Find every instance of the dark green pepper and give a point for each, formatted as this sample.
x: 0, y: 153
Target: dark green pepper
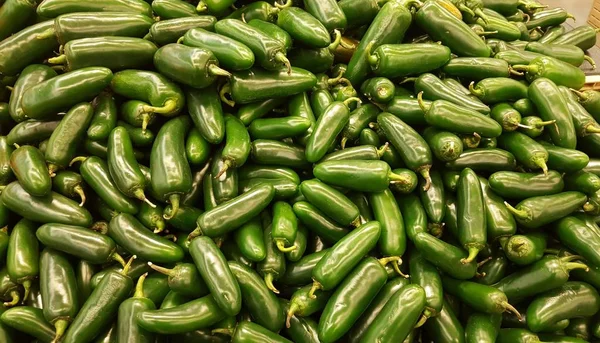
x: 562, y: 73
x: 184, y: 279
x: 513, y: 185
x: 445, y: 145
x: 272, y: 267
x: 584, y: 122
x: 318, y: 223
x: 206, y: 111
x: 284, y: 226
x: 498, y: 89
x: 25, y: 47
x: 237, y: 145
x: 31, y: 320
x: 231, y: 54
x: 538, y: 211
x: 28, y: 77
x: 54, y: 8
x: 22, y: 255
x: 367, y: 175
x: 32, y: 131
x: 392, y: 240
x: 573, y: 233
x: 378, y: 89
x: 445, y: 327
x: 525, y: 249
x: 28, y: 166
x: 565, y: 160
x: 567, y: 53
x: 331, y: 201
x: 527, y: 151
x: 434, y: 88
x: 426, y: 275
x: 471, y: 214
x: 127, y: 328
x: 445, y: 256
x: 304, y: 27
x: 104, y: 118
x: 393, y: 60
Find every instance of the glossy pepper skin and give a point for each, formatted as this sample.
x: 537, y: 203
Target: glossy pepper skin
x: 392, y: 60
x: 583, y: 121
x: 477, y: 68
x: 441, y: 25
x: 127, y: 328
x: 424, y: 274
x: 413, y: 149
x: 22, y: 255
x: 565, y: 160
x: 304, y: 27
x: 434, y: 88
x: 248, y: 332
x: 104, y: 118
x: 392, y: 240
x: 509, y: 118
x: 525, y: 249
x: 206, y: 111
x: 216, y: 273
x: 444, y: 145
x: 562, y: 73
x: 100, y: 308
x: 535, y: 212
x: 318, y: 223
x: 388, y: 27
x: 332, y: 202
x: 574, y: 234
x: 255, y: 85
x: 525, y: 149
x: 583, y: 36
x: 52, y: 208
x: 232, y: 55
x: 158, y: 94
x: 26, y: 46
x: 59, y: 290
x: 495, y: 90
x: 445, y: 256
x: 375, y: 175
x: 52, y: 9
x: 567, y: 53
x: 551, y: 307
x: 28, y: 166
x: 29, y: 319
x: 284, y: 226
x: 169, y: 31
x: 513, y: 185
x: 80, y: 242
x: 471, y: 214
x: 29, y: 77
x: 273, y: 266
x: 263, y: 305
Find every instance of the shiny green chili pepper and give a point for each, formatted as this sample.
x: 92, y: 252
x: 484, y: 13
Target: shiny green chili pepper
x: 255, y: 85
x: 25, y: 47
x: 101, y: 307
x: 304, y: 27
x: 115, y: 53
x: 446, y: 115
x: 358, y: 120
x: 104, y: 118
x: 84, y: 271
x: 197, y: 149
x: 32, y: 131
x: 513, y: 185
x: 331, y: 201
x: 317, y: 222
x: 22, y: 255
x: 130, y: 234
x: 15, y: 16
x: 136, y: 269
x: 359, y: 13
x: 516, y: 335
x: 534, y: 126
x: 412, y: 147
x: 345, y: 255
x: 493, y: 270
x: 388, y: 27
x: 170, y: 31
x: 194, y: 67
x: 584, y: 182
x: 194, y: 195
x: 184, y: 279
x: 378, y: 89
x: 262, y: 304
x: 172, y: 9
x: 127, y: 328
x: 299, y: 106
x: 59, y: 290
x: 133, y: 112
x: 301, y: 243
x: 414, y: 215
x: 225, y: 187
x: 477, y: 68
x: 170, y: 180
x: 279, y: 128
x: 62, y: 92
x: 237, y: 145
x: 300, y: 272
x: 392, y: 60
x: 471, y: 214
x: 29, y: 168
x: 9, y: 290
x: 525, y: 107
x: 562, y: 73
x: 96, y: 174
x: 207, y: 114
x: 445, y: 256
x: 272, y: 152
x: 551, y: 17
x: 367, y: 175
x: 510, y: 119
x: 231, y: 54
x: 351, y: 298
x: 433, y: 200
x: 392, y: 241
x: 54, y: 8
x: 525, y: 249
x: 565, y: 160
x: 250, y: 112
x: 329, y: 13
x: 157, y: 93
x: 584, y: 122
x: 573, y: 233
x: 445, y: 326
x: 426, y: 275
x: 272, y: 267
x: 445, y: 145
x: 583, y: 36
x: 284, y: 189
x: 28, y: 77
x: 552, y: 306
x: 408, y: 184
x: 538, y: 211
x: 284, y: 226
x: 274, y: 31
x: 482, y: 327
x: 31, y: 320
x: 173, y: 299
x: 216, y: 273
x: 434, y: 88
x: 184, y: 219
x: 78, y: 241
x: 52, y: 208
x: 498, y: 89
x: 567, y: 53
x: 248, y: 332
x: 527, y: 151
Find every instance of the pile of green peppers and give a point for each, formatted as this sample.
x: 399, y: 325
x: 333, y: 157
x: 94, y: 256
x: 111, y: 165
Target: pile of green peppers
x: 308, y: 171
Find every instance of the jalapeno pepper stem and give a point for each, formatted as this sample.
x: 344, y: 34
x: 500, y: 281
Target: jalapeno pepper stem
x: 486, y: 33
x: 170, y: 237
x: 168, y: 107
x: 100, y: 227
x: 60, y: 59
x: 477, y: 92
x: 479, y: 264
x: 424, y: 171
x: 590, y: 61
x: 226, y: 89
x: 201, y: 7
x: 160, y: 226
x: 27, y: 287
x: 525, y: 126
x: 316, y: 286
x: 479, y: 12
x: 46, y: 34
x: 581, y: 95
x: 52, y: 168
x: 281, y: 58
x: 269, y: 283
x: 473, y: 251
x: 197, y: 232
x: 421, y: 321
x: 60, y: 326
x: 343, y: 142
x: 514, y: 72
x: 287, y: 4
x: 116, y: 257
x: 552, y: 251
x: 148, y: 36
x: 540, y: 162
x: 334, y: 81
x: 139, y: 194
x: 162, y: 270
x: 589, y: 207
x: 281, y: 246
x: 383, y: 149
x: 15, y: 298
x: 223, y: 331
x: 570, y: 16
x: 569, y: 258
x: 510, y: 308
x: 293, y: 308
x: 127, y: 265
x: 139, y: 286
x: 521, y: 67
x: 572, y: 265
x: 348, y: 101
x: 591, y: 128
x: 174, y: 201
x: 421, y: 103
x: 337, y: 40
x: 226, y: 165
x: 214, y: 69
x: 79, y: 191
x: 480, y: 275
x: 521, y: 214
x: 77, y: 159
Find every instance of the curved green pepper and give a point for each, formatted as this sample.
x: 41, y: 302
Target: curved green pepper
x: 498, y: 89
x: 425, y: 275
x: 32, y: 131
x: 284, y: 226
x: 573, y: 233
x: 538, y: 211
x: 127, y: 329
x: 304, y: 27
x: 392, y: 241
x: 104, y: 118
x: 471, y: 214
x: 207, y: 114
x: 318, y: 223
x: 562, y: 73
x: 197, y: 149
x: 513, y: 185
x: 493, y: 270
x: 414, y: 215
x: 237, y: 145
x: 358, y: 120
x: 25, y: 47
x: 445, y: 256
x: 584, y: 182
x: 28, y: 166
x: 477, y: 68
x: 433, y: 201
x: 184, y: 279
x: 565, y: 160
x: 584, y: 123
x: 28, y: 77
x: 6, y: 150
x: 170, y: 31
x: 22, y: 255
x: 172, y: 9
x: 272, y: 267
x: 488, y: 159
x: 31, y: 320
x: 434, y: 88
x: 332, y: 202
x: 525, y: 149
x: 272, y: 152
x: 231, y: 54
x: 367, y: 175
x: 84, y: 271
x: 567, y: 53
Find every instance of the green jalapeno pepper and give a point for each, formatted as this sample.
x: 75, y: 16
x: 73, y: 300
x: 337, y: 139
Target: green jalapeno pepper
x: 445, y: 145
x: 271, y: 152
x: 59, y: 290
x: 498, y: 89
x: 552, y: 34
x: 172, y: 9
x: 392, y: 240
x: 480, y: 297
x: 516, y: 335
x: 477, y: 68
x: 434, y: 88
x: 127, y: 328
x: 104, y: 118
x: 25, y: 47
x: 207, y: 114
x: 184, y: 279
x: 425, y: 275
x: 356, y: 291
x: 488, y: 159
x: 332, y: 202
x: 9, y: 290
x: 300, y: 272
x: 274, y: 31
x: 54, y: 8
x: 529, y: 153
x: 84, y: 271
x: 471, y: 214
x: 562, y: 73
x: 317, y: 222
x: 445, y: 326
x: 237, y: 145
x: 482, y: 327
x: 378, y: 89
x: 170, y: 180
x: 414, y: 215
x: 15, y: 16
x: 358, y: 120
x: 509, y: 118
x: 583, y: 121
x: 513, y: 185
x: 169, y: 31
x: 22, y: 255
x: 566, y: 53
x: 65, y: 139
x: 258, y: 10
x: 392, y: 60
x: 538, y: 211
x: 29, y: 168
x: 248, y: 332
x: 299, y: 106
x: 301, y: 243
x: 368, y: 175
x: 279, y: 128
x: 115, y: 53
x: 574, y: 234
x: 232, y: 54
x: 272, y: 267
x: 433, y: 201
x: 525, y: 249
x: 284, y: 226
x: 445, y: 256
x: 31, y: 320
x: 551, y: 306
x: 304, y: 27
x: 525, y: 107
x: 216, y: 273
x: 534, y: 126
x: 446, y: 115
x: 551, y: 17
x: 583, y: 36
x: 388, y: 27
x: 493, y: 270
x: 158, y: 94
x: 329, y: 13
x: 28, y: 77
x: 565, y: 160
x: 52, y: 208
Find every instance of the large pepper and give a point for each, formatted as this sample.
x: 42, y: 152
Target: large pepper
x: 583, y: 36
x: 562, y: 73
x: 29, y: 77
x: 538, y: 211
x: 25, y: 47
x: 54, y: 8
x: 22, y: 255
x: 170, y: 31
x: 29, y: 168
